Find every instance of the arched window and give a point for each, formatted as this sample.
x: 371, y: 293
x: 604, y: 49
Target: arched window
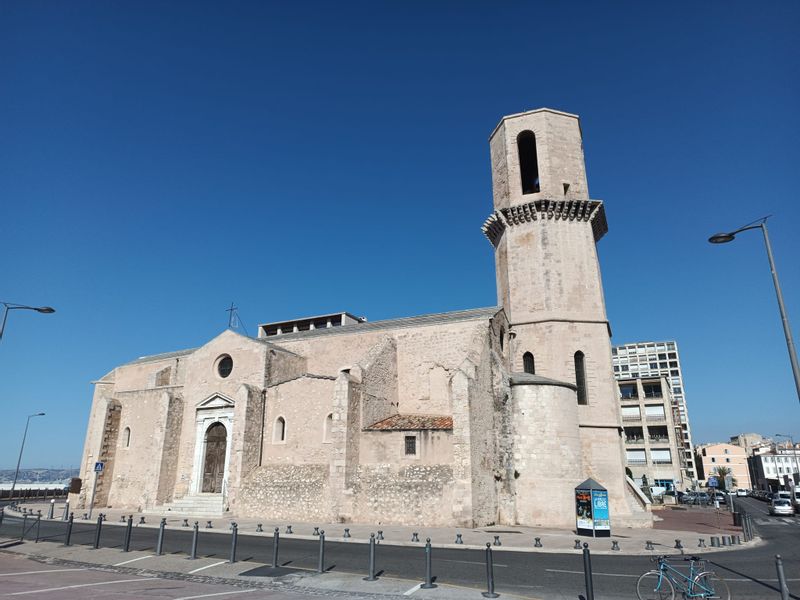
x: 527, y: 363
x: 126, y: 437
x: 326, y: 428
x: 528, y: 162
x: 502, y: 338
x: 279, y: 433
x: 580, y: 377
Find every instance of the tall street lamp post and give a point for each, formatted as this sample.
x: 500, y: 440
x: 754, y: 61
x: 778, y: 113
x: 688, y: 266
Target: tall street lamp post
x: 21, y: 448
x: 722, y: 238
x: 794, y: 453
x: 8, y: 306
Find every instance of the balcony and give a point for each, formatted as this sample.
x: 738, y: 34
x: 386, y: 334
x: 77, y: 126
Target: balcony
x: 653, y: 395
x: 637, y: 461
x: 631, y: 417
x: 656, y: 418
x: 661, y: 461
x: 658, y: 439
x: 634, y: 440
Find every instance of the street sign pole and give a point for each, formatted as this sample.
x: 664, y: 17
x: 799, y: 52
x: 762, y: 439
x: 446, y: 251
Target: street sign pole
x: 98, y: 468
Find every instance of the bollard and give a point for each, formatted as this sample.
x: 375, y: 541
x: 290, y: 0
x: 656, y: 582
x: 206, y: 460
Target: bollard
x: 714, y: 541
x: 735, y: 539
x: 678, y: 545
x: 122, y: 519
x: 497, y: 541
x: 275, y: 539
x: 97, y: 532
x: 24, y: 526
x: 346, y: 533
x: 702, y: 543
x: 724, y: 540
x: 577, y: 545
x: 614, y: 545
x: 160, y: 542
x: 288, y: 529
x: 428, y: 585
x: 458, y: 539
x: 259, y: 529
x: 38, y: 525
x: 537, y: 542
x: 649, y: 545
x: 185, y: 523
x: 781, y: 578
x: 126, y: 545
x: 587, y: 572
x: 321, y: 562
x: 316, y: 531
x: 380, y: 535
x: 85, y: 517
x: 103, y: 516
x: 234, y: 539
x: 141, y: 520
x: 68, y: 533
x: 51, y: 509
x: 415, y: 537
x: 195, y: 534
x: 371, y: 576
x: 209, y: 525
x: 65, y: 516
x: 489, y: 593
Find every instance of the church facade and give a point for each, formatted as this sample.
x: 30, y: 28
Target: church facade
x: 468, y: 418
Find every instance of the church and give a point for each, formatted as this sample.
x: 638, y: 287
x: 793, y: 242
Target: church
x: 467, y: 418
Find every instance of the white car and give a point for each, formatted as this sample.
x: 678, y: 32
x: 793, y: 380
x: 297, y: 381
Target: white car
x: 782, y: 507
x: 741, y: 492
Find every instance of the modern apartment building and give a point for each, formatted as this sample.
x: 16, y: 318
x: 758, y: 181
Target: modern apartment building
x: 643, y: 360
x: 653, y: 446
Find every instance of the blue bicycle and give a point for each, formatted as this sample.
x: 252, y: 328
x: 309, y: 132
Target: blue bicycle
x: 661, y: 583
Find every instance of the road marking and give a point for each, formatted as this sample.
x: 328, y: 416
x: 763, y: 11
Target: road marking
x: 35, y: 572
x: 593, y: 573
x: 70, y: 587
x: 216, y: 564
x: 217, y: 594
x: 412, y: 590
x: 132, y: 560
x: 469, y: 562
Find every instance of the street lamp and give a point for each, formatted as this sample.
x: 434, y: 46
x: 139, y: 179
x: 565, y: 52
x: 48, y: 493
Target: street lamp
x: 21, y: 448
x: 794, y: 453
x: 722, y: 238
x: 7, y: 306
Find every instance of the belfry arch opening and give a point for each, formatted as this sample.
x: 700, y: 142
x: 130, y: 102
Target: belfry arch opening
x: 528, y: 364
x: 216, y: 441
x: 528, y: 162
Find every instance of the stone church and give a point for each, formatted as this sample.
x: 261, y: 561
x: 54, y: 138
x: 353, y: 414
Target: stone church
x: 466, y: 418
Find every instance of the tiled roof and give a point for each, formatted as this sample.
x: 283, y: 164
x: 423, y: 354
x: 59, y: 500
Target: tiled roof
x: 413, y: 423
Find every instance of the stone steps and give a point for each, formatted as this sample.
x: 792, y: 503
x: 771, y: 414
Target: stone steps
x: 204, y: 505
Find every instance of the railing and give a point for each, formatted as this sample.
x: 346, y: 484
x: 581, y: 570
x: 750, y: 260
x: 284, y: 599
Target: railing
x: 637, y: 461
x: 659, y: 439
x: 631, y: 417
x: 656, y: 417
x: 25, y: 493
x: 630, y: 397
x: 634, y: 440
x: 662, y: 461
x: 653, y: 395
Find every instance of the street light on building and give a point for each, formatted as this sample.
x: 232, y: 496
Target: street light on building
x: 722, y: 238
x: 794, y: 454
x: 21, y: 448
x: 8, y: 306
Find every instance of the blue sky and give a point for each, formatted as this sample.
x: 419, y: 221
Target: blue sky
x: 159, y: 160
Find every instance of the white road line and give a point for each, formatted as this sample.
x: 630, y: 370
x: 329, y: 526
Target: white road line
x: 132, y: 560
x: 593, y: 573
x: 468, y: 562
x: 70, y: 587
x: 412, y: 590
x: 216, y: 564
x: 217, y: 594
x: 35, y: 572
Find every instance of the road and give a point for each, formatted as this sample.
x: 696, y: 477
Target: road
x: 750, y: 573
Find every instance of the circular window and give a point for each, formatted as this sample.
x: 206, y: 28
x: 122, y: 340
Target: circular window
x: 224, y: 365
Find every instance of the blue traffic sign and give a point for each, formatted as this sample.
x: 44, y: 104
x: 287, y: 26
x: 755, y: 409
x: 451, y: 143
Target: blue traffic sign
x: 98, y: 466
x: 713, y: 482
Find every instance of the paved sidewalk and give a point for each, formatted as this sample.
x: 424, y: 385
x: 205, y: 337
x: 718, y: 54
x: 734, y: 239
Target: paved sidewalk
x: 672, y: 523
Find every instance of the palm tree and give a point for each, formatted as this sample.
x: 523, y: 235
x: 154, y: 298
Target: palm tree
x: 722, y: 472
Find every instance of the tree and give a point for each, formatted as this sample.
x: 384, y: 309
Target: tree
x: 722, y: 473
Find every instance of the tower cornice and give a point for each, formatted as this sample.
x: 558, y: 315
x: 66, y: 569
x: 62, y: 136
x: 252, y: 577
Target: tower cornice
x: 564, y: 210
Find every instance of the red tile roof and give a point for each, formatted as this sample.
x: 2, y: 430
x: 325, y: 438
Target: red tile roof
x: 412, y: 423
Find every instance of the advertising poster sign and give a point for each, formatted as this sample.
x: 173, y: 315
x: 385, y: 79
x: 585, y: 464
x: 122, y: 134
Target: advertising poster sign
x: 583, y: 509
x: 600, y: 510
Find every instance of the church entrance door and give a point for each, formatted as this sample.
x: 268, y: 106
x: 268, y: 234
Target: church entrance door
x: 214, y: 464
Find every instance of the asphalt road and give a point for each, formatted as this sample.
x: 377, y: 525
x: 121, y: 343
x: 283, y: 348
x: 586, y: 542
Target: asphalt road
x: 750, y: 573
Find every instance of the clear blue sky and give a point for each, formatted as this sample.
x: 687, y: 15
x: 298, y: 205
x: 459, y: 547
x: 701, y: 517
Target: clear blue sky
x: 159, y: 160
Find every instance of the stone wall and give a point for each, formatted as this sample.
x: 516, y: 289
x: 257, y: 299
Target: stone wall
x: 169, y: 456
x: 287, y: 492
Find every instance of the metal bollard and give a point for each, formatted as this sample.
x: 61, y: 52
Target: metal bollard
x: 577, y: 545
x: 185, y: 523
x: 234, y: 540
x: 316, y: 531
x: 678, y: 545
x: 122, y: 519
x: 51, y: 509
x: 587, y: 572
x: 141, y: 520
x: 195, y: 534
x: 781, y: 578
x: 68, y: 533
x: 160, y: 542
x: 126, y: 545
x: 649, y: 545
x: 259, y: 528
x: 537, y: 542
x: 458, y: 539
x: 38, y: 525
x: 497, y: 541
x: 85, y: 517
x: 347, y: 533
x: 288, y: 529
x: 415, y: 537
x: 371, y: 576
x: 428, y: 585
x: 489, y: 593
x: 24, y: 526
x: 724, y: 540
x: 209, y: 525
x: 275, y: 539
x: 614, y: 545
x: 321, y: 562
x: 714, y: 541
x: 380, y: 535
x: 65, y: 516
x: 702, y: 543
x: 97, y: 532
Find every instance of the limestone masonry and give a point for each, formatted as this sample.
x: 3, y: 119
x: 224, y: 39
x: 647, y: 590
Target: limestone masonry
x: 468, y: 418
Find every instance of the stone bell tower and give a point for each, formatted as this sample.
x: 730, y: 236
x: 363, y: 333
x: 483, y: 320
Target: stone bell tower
x: 544, y: 228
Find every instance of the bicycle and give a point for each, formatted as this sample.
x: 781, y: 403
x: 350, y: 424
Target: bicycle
x: 661, y: 583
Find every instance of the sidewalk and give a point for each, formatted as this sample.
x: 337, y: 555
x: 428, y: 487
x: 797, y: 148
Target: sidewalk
x: 672, y: 523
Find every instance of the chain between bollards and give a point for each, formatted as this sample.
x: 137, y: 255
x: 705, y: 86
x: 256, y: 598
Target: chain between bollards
x: 126, y: 546
x: 489, y: 593
x: 587, y: 572
x: 234, y: 541
x: 195, y: 533
x: 371, y: 576
x: 97, y: 531
x: 321, y: 563
x: 68, y: 533
x: 275, y: 540
x: 781, y: 578
x: 160, y: 542
x: 428, y: 567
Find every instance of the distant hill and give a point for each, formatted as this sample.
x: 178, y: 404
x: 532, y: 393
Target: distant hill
x: 38, y: 475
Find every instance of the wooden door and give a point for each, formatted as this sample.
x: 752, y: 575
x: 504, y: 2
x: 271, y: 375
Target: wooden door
x: 214, y: 464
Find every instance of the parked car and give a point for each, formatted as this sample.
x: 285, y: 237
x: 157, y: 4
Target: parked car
x: 719, y: 497
x: 781, y: 507
x: 701, y: 498
x: 741, y: 492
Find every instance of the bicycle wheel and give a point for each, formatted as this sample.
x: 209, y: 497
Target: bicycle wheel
x: 652, y: 586
x: 710, y: 585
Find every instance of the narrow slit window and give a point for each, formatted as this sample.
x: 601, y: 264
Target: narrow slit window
x: 528, y: 162
x: 279, y: 435
x: 580, y: 377
x: 528, y: 365
x: 327, y: 428
x: 126, y: 437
